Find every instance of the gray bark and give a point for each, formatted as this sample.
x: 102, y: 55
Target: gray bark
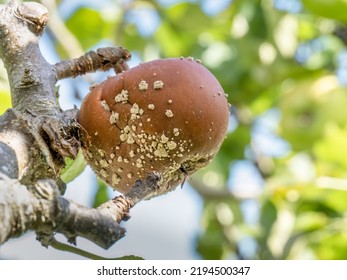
x: 36, y: 135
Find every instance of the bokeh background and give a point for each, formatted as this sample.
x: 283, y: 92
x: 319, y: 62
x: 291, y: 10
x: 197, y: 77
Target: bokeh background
x: 278, y: 187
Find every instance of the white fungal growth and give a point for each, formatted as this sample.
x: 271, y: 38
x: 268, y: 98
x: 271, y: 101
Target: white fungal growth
x: 126, y: 134
x: 154, y: 144
x: 151, y: 106
x: 103, y: 163
x: 114, y: 117
x: 160, y: 151
x: 143, y: 85
x: 101, y: 153
x: 139, y: 163
x: 103, y: 173
x: 135, y: 109
x: 158, y: 84
x: 123, y: 137
x: 171, y: 145
x: 116, y: 179
x: 131, y: 153
x: 176, y: 131
x: 130, y: 139
x: 163, y: 138
x: 104, y: 105
x: 122, y: 97
x: 169, y: 113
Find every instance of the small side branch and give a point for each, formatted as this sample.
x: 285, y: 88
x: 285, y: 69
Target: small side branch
x: 102, y: 59
x: 140, y: 191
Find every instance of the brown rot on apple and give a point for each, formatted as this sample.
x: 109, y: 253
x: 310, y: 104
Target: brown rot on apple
x: 167, y: 115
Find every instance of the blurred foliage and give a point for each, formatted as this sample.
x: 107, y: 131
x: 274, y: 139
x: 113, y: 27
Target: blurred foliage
x: 287, y: 57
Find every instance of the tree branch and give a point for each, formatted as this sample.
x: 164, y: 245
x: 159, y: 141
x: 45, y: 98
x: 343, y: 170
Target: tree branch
x: 36, y: 135
x: 41, y: 208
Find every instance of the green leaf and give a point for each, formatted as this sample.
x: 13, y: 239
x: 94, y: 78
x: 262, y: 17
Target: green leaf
x: 308, y: 107
x: 89, y: 27
x: 335, y: 9
x: 234, y: 145
x: 310, y: 221
x: 185, y: 16
x: 330, y: 246
x: 178, y: 33
x: 331, y: 150
x: 130, y: 257
x: 268, y: 216
x: 73, y: 168
x: 210, y: 245
x: 325, y: 199
x: 72, y: 249
x: 101, y: 195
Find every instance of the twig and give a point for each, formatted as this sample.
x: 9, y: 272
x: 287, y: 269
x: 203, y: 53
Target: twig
x: 103, y: 59
x: 138, y: 192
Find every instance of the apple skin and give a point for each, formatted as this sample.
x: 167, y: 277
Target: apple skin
x: 167, y: 115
